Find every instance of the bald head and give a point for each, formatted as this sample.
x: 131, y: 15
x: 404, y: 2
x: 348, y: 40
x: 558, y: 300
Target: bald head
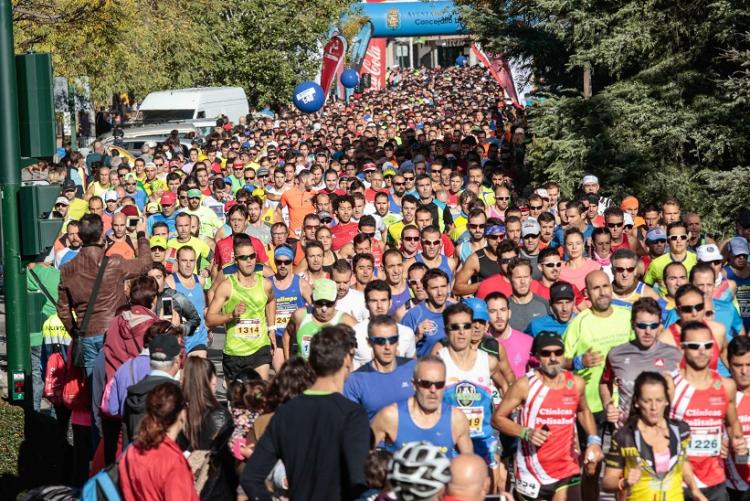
x: 599, y: 290
x: 469, y: 478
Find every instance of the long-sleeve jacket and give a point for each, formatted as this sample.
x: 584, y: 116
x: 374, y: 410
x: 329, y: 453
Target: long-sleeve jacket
x: 77, y: 281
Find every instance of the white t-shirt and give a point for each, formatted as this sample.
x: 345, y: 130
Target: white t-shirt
x: 354, y: 304
x: 407, y: 344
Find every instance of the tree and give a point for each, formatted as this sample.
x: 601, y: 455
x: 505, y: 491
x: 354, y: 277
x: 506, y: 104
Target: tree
x: 669, y: 114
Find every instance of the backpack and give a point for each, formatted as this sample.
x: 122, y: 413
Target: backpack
x: 75, y: 392
x: 54, y: 378
x: 104, y: 486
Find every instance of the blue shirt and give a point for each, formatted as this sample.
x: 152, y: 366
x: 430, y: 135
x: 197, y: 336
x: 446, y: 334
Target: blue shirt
x: 374, y: 390
x: 161, y: 218
x: 416, y: 316
x: 546, y: 323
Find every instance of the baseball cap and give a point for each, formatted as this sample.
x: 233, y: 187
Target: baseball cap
x: 590, y: 179
x: 656, y: 234
x: 164, y: 347
x: 110, y: 196
x: 194, y: 193
x: 561, y: 290
x: 738, y: 246
x: 283, y: 251
x: 152, y: 208
x: 545, y: 339
x: 708, y: 252
x: 262, y: 172
x: 157, y: 241
x: 629, y: 203
x: 168, y: 198
x: 62, y: 200
x: 369, y: 166
x: 130, y: 210
x: 68, y: 185
x: 542, y: 193
x: 324, y: 289
x: 530, y: 227
x: 389, y: 171
x: 478, y: 307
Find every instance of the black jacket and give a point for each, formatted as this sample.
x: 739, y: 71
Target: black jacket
x: 135, y: 405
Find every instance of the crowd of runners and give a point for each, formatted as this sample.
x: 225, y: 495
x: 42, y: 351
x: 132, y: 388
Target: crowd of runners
x: 406, y: 315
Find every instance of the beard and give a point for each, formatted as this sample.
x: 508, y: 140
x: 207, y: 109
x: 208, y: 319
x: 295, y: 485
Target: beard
x: 550, y: 371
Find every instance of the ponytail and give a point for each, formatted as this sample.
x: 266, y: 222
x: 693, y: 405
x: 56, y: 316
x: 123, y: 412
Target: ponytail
x: 163, y: 406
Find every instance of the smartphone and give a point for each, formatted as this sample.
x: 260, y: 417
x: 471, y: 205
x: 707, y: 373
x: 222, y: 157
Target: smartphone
x: 132, y: 222
x: 167, y: 306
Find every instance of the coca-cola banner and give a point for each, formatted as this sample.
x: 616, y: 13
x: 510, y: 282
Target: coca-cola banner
x: 374, y: 62
x: 333, y: 61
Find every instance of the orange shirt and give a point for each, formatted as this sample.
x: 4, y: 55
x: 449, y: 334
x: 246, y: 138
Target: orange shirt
x: 299, y: 203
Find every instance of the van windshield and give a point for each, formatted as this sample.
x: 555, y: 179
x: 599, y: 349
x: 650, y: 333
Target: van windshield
x: 158, y: 116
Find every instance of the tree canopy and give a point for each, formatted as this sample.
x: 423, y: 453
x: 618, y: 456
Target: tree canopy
x: 145, y: 45
x: 669, y: 112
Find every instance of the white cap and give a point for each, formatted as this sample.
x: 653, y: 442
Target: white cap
x: 590, y: 179
x: 62, y: 200
x: 627, y: 219
x: 530, y: 227
x: 542, y: 193
x: 708, y: 252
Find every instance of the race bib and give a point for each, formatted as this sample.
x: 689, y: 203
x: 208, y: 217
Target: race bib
x: 282, y: 319
x: 527, y: 486
x: 247, y: 328
x: 304, y: 348
x: 475, y: 415
x: 705, y: 441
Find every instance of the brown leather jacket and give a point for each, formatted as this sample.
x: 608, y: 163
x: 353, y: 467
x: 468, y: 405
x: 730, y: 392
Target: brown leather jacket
x: 77, y: 280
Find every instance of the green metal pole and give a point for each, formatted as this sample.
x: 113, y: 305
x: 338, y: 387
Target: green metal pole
x: 73, y: 118
x: 19, y: 354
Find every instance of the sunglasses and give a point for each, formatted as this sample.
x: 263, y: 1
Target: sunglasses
x: 382, y: 341
x: 326, y: 220
x: 458, y: 327
x: 494, y: 236
x: 674, y: 238
x: 411, y: 239
x: 322, y: 303
x: 312, y: 226
x: 552, y: 265
x: 644, y: 325
x: 431, y: 242
x: 531, y: 235
x: 477, y: 226
x: 535, y: 207
x: 691, y: 308
x: 397, y: 184
x: 615, y: 225
x: 183, y: 197
x: 697, y: 345
x: 502, y: 198
x: 283, y: 262
x: 369, y: 235
x: 246, y: 257
x: 622, y: 269
x: 408, y: 178
x: 548, y: 353
x: 504, y: 260
x: 716, y: 262
x: 426, y: 384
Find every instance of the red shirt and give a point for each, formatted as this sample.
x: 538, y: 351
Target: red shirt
x: 370, y: 194
x: 495, y: 283
x: 342, y: 234
x: 224, y: 251
x: 161, y: 473
x: 538, y: 288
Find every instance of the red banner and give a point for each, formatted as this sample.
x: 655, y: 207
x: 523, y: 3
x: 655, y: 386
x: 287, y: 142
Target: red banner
x: 333, y: 61
x: 500, y: 71
x: 374, y: 62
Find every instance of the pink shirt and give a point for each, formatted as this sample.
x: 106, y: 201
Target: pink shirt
x: 518, y: 349
x: 577, y: 276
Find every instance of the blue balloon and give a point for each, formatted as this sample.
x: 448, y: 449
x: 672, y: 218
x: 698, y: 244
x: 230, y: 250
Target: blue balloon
x: 349, y: 78
x: 308, y: 97
x: 461, y: 60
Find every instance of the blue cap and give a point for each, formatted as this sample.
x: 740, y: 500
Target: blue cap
x: 283, y: 251
x: 228, y: 180
x: 478, y: 308
x: 738, y: 246
x: 656, y: 234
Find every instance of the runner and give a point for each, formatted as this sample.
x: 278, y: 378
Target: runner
x: 643, y: 354
x: 304, y: 325
x: 562, y: 310
x: 738, y: 471
x: 678, y: 252
x: 245, y: 303
x: 426, y: 318
x: 552, y: 400
x: 291, y: 293
x: 706, y: 402
x: 626, y: 288
x: 190, y: 285
x: 738, y: 270
x: 425, y: 416
x: 482, y: 263
x: 517, y: 345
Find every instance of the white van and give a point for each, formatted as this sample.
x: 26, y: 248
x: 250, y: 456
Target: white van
x: 190, y: 104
